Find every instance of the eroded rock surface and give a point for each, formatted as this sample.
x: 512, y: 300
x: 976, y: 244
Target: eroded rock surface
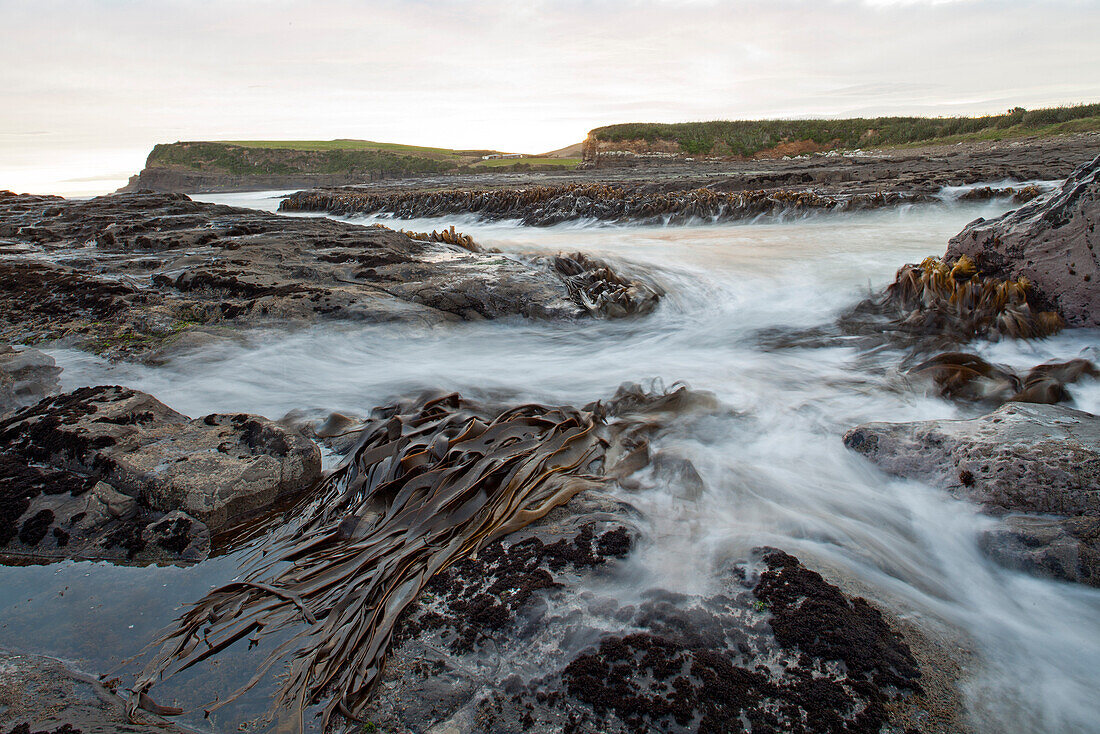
x: 1051, y: 241
x: 26, y: 376
x: 1022, y: 458
x: 126, y: 273
x: 109, y: 472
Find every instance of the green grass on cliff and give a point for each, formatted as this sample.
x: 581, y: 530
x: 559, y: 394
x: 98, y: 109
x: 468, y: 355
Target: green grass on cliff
x: 302, y: 157
x: 323, y: 145
x: 746, y: 137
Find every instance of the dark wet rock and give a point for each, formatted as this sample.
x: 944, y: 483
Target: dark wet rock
x: 26, y: 376
x: 108, y: 472
x: 782, y: 651
x: 1066, y: 548
x: 1052, y: 242
x: 128, y: 273
x: 1019, y: 458
x: 40, y: 695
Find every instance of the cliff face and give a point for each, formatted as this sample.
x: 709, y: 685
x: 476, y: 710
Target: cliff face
x: 209, y: 166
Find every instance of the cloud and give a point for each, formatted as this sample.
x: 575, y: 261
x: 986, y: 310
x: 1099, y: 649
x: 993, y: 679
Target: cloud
x: 522, y: 76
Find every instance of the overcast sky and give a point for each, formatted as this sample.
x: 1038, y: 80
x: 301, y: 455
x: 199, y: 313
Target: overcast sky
x: 91, y: 85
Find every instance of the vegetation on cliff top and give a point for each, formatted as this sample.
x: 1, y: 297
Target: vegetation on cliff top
x: 347, y: 157
x: 232, y: 158
x: 746, y: 137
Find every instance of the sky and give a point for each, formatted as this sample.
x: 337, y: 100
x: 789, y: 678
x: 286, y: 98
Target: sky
x: 89, y: 86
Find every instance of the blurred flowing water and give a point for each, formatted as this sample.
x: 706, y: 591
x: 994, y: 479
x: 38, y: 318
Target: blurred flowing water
x: 775, y: 469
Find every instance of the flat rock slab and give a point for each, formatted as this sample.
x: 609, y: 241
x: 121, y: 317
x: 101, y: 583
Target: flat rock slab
x: 1052, y: 241
x: 1021, y: 457
x: 104, y: 468
x: 124, y: 274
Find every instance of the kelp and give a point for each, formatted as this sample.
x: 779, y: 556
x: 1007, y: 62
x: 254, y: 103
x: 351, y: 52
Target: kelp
x: 448, y: 236
x: 599, y: 289
x: 953, y: 300
x: 968, y: 377
x: 429, y: 482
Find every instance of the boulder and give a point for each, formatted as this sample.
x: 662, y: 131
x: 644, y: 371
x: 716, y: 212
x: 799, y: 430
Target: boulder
x: 1042, y: 461
x: 110, y: 472
x: 26, y: 376
x: 1022, y: 457
x: 1052, y: 241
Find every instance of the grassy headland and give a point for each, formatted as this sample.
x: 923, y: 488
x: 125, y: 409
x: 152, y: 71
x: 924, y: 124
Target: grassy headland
x: 749, y: 137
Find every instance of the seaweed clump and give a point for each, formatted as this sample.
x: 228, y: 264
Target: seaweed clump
x: 600, y: 290
x: 430, y: 482
x: 954, y: 300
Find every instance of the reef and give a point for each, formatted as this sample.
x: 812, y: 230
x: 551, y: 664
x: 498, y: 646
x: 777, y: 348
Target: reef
x: 541, y: 205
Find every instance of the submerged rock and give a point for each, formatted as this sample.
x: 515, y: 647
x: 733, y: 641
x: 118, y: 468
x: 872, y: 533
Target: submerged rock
x: 129, y: 273
x: 26, y: 376
x: 1051, y: 241
x: 109, y: 472
x: 1062, y: 547
x: 42, y: 695
x: 1022, y: 458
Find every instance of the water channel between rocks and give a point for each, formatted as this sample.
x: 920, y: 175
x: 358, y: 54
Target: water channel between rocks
x: 775, y: 470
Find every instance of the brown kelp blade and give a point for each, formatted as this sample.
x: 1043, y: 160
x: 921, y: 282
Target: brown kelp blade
x: 428, y: 483
x: 953, y: 302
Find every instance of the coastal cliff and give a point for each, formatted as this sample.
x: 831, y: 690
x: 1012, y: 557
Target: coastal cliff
x: 224, y: 166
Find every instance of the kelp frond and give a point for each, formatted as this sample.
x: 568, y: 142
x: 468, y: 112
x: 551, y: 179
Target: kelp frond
x: 954, y: 299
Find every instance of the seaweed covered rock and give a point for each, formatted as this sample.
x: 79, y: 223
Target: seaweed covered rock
x: 109, y: 472
x: 431, y: 482
x: 948, y: 302
x: 129, y: 274
x: 1052, y: 242
x: 26, y: 376
x: 541, y: 205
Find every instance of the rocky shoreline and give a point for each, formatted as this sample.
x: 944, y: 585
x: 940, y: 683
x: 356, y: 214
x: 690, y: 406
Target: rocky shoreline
x: 458, y: 538
x: 133, y: 274
x: 677, y: 192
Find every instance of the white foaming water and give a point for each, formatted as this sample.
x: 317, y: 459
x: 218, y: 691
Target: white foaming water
x: 775, y: 470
